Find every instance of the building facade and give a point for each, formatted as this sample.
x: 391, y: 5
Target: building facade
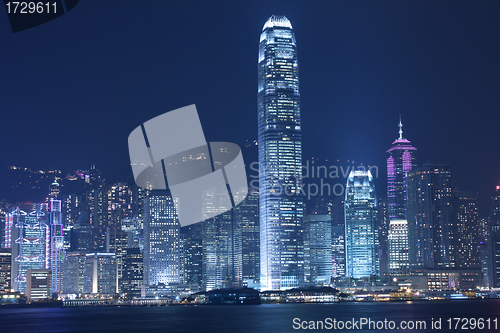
x: 399, y: 263
x: 361, y: 235
x: 247, y: 217
x: 73, y: 272
x: 401, y: 160
x: 56, y: 245
x: 161, y: 239
x: 5, y: 270
x: 318, y: 249
x: 31, y: 244
x: 431, y: 230
x: 468, y: 230
x: 280, y: 158
x: 100, y: 273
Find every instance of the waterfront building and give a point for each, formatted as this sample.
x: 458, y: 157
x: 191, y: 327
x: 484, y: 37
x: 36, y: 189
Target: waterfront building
x: 132, y: 278
x: 468, y: 230
x: 247, y: 219
x: 100, y: 273
x: 318, y: 249
x: 161, y: 239
x: 38, y: 284
x: 193, y: 254
x: 31, y: 244
x: 431, y: 231
x: 280, y: 158
x: 221, y: 244
x: 56, y: 245
x: 399, y: 263
x: 73, y: 272
x: 5, y: 269
x: 361, y: 235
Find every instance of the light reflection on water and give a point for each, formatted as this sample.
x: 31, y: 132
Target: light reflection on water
x: 252, y: 318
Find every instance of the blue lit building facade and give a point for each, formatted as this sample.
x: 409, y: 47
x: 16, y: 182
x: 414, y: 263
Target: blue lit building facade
x: 361, y: 235
x: 56, y: 245
x: 431, y: 225
x: 161, y: 239
x: 280, y: 158
x: 31, y: 245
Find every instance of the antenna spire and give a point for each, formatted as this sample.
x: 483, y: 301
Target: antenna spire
x: 400, y: 128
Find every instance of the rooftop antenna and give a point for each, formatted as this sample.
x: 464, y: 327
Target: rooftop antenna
x: 400, y: 128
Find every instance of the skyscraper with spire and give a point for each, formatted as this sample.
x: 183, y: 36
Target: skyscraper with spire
x: 280, y: 158
x: 400, y: 161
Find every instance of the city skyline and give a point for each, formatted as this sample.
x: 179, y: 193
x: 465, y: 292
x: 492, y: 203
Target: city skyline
x: 341, y: 208
x: 434, y: 67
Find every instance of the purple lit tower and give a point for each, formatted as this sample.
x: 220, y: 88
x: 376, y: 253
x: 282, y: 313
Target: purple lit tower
x: 400, y: 161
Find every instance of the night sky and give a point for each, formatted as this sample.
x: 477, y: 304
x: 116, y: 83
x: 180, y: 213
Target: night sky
x: 73, y: 89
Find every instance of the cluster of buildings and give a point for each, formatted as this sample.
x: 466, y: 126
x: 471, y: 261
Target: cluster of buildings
x: 93, y: 240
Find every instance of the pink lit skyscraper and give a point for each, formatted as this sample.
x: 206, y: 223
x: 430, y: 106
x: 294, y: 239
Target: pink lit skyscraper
x: 400, y: 161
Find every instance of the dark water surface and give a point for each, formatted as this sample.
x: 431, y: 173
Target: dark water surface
x: 253, y: 318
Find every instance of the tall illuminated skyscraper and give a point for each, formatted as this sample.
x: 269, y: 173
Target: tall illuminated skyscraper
x: 400, y: 161
x: 31, y: 245
x: 431, y: 227
x: 56, y: 245
x: 221, y: 245
x: 161, y: 239
x: 361, y: 234
x: 280, y: 158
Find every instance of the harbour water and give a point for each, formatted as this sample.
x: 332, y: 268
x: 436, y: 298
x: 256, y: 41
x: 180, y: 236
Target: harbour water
x: 257, y: 318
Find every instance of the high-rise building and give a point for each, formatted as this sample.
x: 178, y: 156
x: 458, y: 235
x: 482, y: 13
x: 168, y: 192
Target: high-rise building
x: 221, y: 244
x: 72, y: 207
x: 56, y: 245
x: 5, y: 270
x: 399, y: 263
x: 468, y: 230
x: 132, y: 278
x: 3, y: 227
x: 116, y: 242
x: 100, y: 273
x: 31, y: 248
x: 54, y: 190
x: 193, y: 254
x: 280, y: 158
x: 247, y: 219
x: 96, y: 203
x: 81, y: 234
x: 399, y: 163
x: 495, y: 209
x: 318, y: 252
x: 431, y: 230
x: 338, y: 237
x: 73, y: 272
x: 361, y: 234
x: 383, y: 235
x: 135, y: 232
x: 119, y: 205
x: 161, y: 240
